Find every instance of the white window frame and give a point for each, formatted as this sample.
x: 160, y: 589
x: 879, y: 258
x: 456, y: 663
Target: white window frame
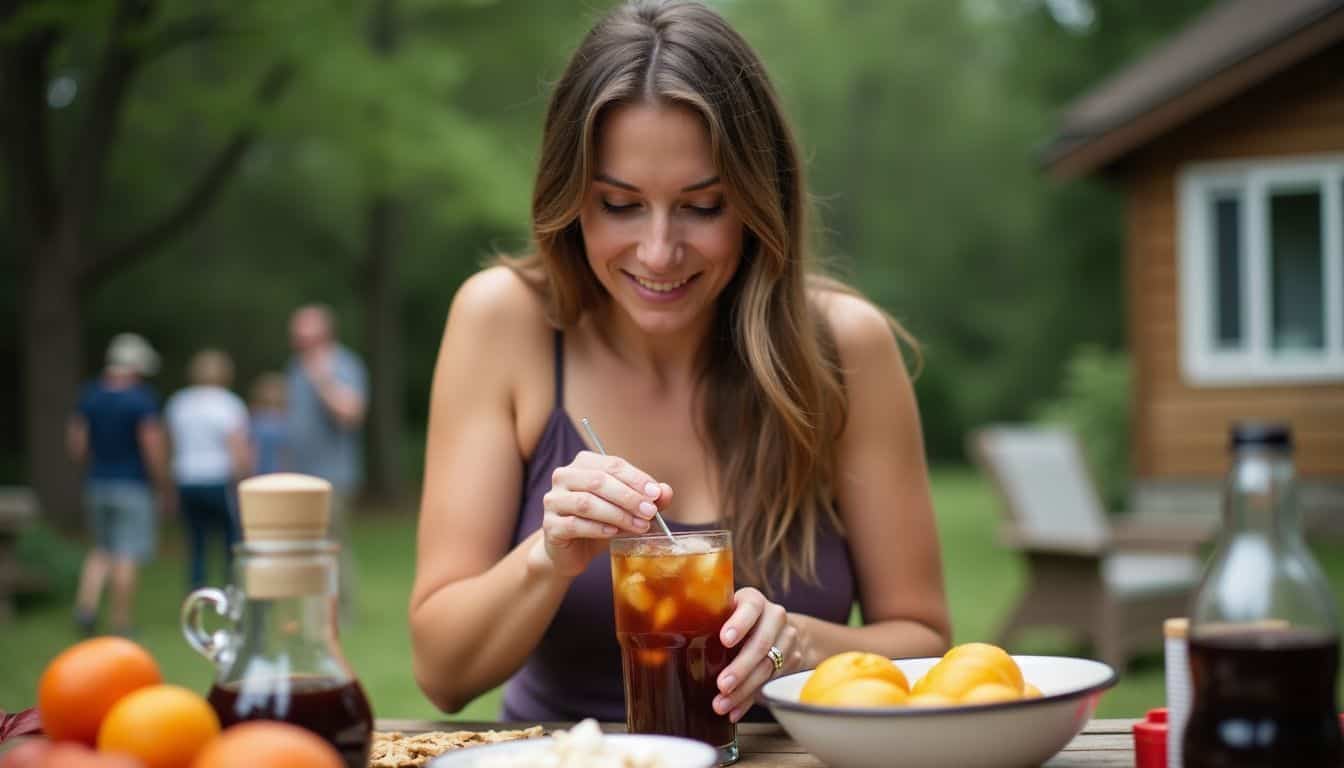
x: 1203, y: 363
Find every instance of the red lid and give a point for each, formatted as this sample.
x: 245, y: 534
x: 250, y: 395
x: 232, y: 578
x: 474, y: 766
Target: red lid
x: 1150, y: 740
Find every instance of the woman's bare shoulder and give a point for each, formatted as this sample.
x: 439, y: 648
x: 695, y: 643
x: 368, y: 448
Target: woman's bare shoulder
x: 497, y: 306
x: 498, y: 320
x: 499, y: 296
x: 859, y: 326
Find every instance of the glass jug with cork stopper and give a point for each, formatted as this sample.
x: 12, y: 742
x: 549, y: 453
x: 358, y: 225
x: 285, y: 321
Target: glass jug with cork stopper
x: 278, y: 658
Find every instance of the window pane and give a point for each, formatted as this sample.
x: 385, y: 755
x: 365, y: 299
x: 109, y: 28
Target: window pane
x: 1227, y: 272
x: 1296, y: 255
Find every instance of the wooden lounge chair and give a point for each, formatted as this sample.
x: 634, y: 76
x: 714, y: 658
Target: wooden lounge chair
x: 1111, y: 583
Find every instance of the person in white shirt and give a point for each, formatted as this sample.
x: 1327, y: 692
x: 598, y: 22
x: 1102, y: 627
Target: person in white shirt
x: 208, y: 427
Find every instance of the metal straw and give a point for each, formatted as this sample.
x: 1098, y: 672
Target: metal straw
x: 597, y: 442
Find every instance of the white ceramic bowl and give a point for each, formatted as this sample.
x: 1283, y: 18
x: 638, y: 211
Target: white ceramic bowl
x: 1002, y: 735
x: 672, y: 751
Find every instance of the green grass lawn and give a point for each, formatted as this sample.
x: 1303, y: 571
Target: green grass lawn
x: 982, y: 580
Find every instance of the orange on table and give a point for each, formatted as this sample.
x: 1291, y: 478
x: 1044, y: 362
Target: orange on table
x: 268, y: 744
x: 81, y: 684
x: 851, y: 665
x: 44, y: 753
x: 863, y: 692
x: 164, y: 726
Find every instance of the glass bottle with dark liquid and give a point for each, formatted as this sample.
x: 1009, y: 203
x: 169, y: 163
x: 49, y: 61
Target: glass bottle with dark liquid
x: 1264, y: 635
x: 280, y: 658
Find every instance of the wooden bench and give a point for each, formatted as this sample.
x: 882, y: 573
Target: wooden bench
x: 18, y: 511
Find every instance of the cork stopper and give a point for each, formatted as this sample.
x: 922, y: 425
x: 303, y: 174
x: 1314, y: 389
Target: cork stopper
x: 284, y: 507
x: 1177, y: 627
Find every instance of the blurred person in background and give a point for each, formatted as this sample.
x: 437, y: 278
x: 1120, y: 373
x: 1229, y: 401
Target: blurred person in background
x: 207, y: 426
x: 116, y: 434
x: 328, y: 398
x: 670, y: 295
x: 269, y: 430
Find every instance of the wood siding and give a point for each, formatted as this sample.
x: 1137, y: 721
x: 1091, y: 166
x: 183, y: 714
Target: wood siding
x: 1180, y: 430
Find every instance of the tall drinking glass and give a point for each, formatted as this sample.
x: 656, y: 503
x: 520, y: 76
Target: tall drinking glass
x: 672, y: 597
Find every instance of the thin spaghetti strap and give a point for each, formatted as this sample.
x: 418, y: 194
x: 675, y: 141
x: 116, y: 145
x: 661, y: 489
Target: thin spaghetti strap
x: 559, y: 368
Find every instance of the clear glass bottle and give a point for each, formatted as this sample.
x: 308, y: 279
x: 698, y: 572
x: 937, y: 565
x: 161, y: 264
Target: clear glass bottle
x: 1264, y: 633
x: 279, y: 658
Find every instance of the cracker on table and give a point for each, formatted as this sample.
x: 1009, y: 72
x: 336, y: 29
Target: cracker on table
x: 394, y: 749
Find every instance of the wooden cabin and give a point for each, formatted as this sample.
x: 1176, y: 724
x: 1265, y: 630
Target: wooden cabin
x: 1228, y: 140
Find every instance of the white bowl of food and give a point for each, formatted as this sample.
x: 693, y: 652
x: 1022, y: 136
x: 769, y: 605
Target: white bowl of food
x: 585, y: 746
x: 1006, y: 734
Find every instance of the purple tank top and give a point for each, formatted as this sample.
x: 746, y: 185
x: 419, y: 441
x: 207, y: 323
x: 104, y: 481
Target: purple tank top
x: 575, y: 671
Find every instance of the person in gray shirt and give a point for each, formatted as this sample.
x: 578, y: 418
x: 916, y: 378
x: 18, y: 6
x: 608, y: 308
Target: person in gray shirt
x: 328, y: 399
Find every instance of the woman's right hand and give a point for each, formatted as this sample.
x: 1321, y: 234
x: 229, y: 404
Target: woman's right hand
x: 592, y: 499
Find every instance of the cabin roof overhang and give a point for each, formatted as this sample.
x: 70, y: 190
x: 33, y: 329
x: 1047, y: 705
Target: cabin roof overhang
x: 1229, y: 49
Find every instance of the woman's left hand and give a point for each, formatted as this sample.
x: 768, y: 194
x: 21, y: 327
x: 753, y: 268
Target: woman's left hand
x: 756, y: 625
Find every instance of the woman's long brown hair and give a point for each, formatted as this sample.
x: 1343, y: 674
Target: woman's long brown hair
x: 772, y: 399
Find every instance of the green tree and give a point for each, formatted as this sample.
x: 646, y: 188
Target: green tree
x: 921, y: 139
x: 377, y: 131
x: 61, y: 254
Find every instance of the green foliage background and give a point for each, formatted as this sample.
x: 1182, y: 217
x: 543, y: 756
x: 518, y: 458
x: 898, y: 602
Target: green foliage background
x: 919, y: 120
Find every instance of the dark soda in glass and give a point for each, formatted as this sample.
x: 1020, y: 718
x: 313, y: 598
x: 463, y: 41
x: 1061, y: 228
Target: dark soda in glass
x: 336, y: 710
x: 1263, y: 697
x: 670, y: 606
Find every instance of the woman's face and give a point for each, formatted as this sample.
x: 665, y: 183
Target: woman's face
x: 657, y: 227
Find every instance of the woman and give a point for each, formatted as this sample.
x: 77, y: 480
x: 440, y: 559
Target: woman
x: 207, y: 426
x: 669, y: 299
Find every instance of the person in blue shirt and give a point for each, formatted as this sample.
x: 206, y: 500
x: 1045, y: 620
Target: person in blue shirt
x: 269, y: 427
x: 328, y: 399
x: 116, y: 433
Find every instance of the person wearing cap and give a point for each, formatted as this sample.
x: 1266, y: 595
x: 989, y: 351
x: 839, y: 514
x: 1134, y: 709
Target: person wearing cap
x: 328, y: 398
x: 116, y: 433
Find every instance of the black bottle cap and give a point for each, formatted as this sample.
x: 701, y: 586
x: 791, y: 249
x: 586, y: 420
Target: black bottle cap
x: 1246, y: 434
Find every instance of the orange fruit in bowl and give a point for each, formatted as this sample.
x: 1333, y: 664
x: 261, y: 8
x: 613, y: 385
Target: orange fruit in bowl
x: 268, y: 744
x: 851, y: 665
x: 80, y: 685
x: 956, y: 678
x: 164, y: 726
x: 990, y: 693
x: 863, y: 692
x: 968, y: 666
x: 931, y: 699
x: 996, y: 656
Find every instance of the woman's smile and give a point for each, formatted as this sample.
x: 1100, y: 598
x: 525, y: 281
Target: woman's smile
x: 661, y: 290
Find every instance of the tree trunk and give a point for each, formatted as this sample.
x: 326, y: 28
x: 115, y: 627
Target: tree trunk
x: 382, y: 302
x: 384, y: 217
x: 52, y: 351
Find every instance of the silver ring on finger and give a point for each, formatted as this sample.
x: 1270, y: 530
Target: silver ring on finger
x: 776, y: 657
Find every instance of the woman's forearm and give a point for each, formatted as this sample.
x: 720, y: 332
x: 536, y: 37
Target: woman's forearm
x: 897, y: 638
x: 471, y: 635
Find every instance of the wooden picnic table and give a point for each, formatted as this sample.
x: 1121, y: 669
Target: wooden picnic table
x: 1102, y: 743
